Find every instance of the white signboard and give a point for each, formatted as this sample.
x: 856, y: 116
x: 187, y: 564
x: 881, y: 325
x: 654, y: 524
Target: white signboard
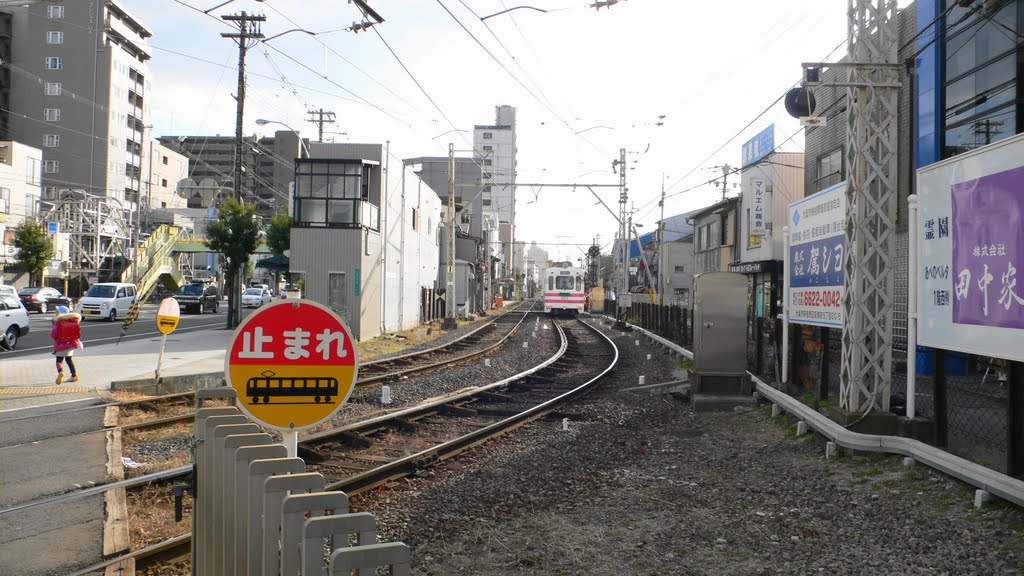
x: 758, y: 210
x: 970, y: 235
x: 814, y: 261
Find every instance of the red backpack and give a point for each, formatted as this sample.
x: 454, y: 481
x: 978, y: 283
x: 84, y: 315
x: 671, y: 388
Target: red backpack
x: 69, y: 331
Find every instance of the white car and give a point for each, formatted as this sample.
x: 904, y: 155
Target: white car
x: 106, y: 300
x: 255, y: 297
x: 13, y: 321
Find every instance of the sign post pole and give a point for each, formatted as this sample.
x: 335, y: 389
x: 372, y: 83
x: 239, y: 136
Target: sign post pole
x: 291, y: 443
x: 167, y: 317
x: 785, y: 305
x: 912, y: 309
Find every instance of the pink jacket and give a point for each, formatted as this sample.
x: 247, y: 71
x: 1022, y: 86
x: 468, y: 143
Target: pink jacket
x: 61, y: 345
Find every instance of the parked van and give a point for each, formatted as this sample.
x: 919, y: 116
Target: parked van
x: 106, y: 300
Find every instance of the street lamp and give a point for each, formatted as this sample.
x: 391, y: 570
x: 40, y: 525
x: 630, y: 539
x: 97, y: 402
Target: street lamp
x: 264, y: 122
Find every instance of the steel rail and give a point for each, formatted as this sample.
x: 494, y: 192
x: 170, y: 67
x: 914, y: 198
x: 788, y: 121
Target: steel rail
x: 369, y: 479
x: 179, y: 544
x: 181, y: 471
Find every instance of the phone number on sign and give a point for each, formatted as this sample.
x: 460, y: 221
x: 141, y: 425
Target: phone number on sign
x: 822, y: 298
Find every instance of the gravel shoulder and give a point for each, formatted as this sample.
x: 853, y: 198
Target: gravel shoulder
x: 640, y: 485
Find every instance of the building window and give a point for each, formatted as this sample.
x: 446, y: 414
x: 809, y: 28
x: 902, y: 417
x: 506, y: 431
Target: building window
x: 488, y: 147
x: 51, y: 114
x: 54, y: 37
x: 487, y: 161
x: 55, y: 11
x: 487, y: 135
x: 332, y: 194
x: 830, y: 170
x: 164, y: 160
x: 54, y: 63
x: 982, y: 62
x: 680, y: 269
x: 52, y: 89
x: 51, y: 140
x: 163, y: 182
x: 51, y: 166
x: 5, y: 200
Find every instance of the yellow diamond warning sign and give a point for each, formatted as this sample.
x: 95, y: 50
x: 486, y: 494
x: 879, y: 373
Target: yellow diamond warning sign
x: 293, y: 364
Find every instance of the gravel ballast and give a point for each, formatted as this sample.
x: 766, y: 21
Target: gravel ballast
x: 640, y: 485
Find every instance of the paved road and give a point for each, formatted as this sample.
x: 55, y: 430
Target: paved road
x: 102, y: 332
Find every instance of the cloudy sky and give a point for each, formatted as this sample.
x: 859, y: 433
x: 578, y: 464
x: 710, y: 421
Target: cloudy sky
x: 585, y: 82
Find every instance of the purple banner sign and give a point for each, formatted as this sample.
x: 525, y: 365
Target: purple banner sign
x: 988, y: 249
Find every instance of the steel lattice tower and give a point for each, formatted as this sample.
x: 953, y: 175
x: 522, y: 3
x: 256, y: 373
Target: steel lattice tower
x: 871, y: 151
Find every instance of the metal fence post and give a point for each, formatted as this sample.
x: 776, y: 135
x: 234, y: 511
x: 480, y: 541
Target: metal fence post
x: 824, y: 375
x: 1015, y: 418
x: 275, y: 489
x: 294, y: 510
x: 259, y: 471
x: 244, y: 457
x: 941, y: 400
x: 230, y: 504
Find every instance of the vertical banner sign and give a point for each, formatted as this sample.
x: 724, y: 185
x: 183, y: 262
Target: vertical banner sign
x: 757, y: 213
x: 357, y: 280
x: 817, y: 244
x: 293, y: 364
x: 971, y: 234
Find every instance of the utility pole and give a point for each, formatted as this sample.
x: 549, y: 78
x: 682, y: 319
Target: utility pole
x: 247, y: 36
x: 726, y: 169
x: 869, y: 263
x: 661, y: 246
x: 449, y: 292
x: 623, y: 236
x: 320, y: 117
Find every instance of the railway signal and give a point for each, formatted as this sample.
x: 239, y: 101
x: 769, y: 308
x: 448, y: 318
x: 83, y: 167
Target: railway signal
x: 293, y: 365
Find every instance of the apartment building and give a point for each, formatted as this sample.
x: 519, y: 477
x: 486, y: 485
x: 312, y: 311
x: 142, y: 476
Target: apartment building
x: 79, y: 88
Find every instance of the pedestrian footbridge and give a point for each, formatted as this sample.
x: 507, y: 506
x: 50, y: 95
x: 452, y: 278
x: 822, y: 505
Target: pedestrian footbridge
x: 158, y: 259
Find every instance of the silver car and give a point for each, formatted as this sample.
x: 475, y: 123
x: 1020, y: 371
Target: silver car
x: 255, y: 297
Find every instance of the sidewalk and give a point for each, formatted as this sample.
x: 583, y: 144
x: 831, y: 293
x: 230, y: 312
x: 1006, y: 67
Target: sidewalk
x: 28, y: 381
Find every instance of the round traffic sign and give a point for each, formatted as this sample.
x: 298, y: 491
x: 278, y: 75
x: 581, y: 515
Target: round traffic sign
x: 293, y: 364
x: 168, y: 315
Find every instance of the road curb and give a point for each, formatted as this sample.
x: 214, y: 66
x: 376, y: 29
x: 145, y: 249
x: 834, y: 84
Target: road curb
x: 170, y: 384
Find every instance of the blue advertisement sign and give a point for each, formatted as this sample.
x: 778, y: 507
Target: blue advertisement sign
x: 759, y: 146
x: 815, y: 260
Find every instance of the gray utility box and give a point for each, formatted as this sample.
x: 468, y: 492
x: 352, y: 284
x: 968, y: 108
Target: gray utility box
x: 720, y: 335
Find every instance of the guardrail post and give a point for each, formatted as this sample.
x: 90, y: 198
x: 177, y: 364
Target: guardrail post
x: 259, y: 471
x: 294, y: 510
x: 394, y: 555
x: 275, y: 489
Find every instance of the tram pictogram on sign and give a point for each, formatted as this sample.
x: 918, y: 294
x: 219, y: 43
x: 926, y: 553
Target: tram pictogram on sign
x: 293, y: 364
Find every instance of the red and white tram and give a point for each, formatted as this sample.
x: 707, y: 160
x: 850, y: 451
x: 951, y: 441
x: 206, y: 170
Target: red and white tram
x: 563, y: 289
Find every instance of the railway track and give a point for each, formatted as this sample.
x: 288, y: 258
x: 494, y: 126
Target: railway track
x: 360, y: 456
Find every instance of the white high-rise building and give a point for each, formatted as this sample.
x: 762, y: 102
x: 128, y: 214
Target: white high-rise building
x: 494, y: 147
x: 82, y: 95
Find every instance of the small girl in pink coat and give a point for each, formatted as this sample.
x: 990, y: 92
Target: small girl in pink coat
x: 66, y: 335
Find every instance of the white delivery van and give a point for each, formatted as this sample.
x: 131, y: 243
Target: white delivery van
x: 106, y: 300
